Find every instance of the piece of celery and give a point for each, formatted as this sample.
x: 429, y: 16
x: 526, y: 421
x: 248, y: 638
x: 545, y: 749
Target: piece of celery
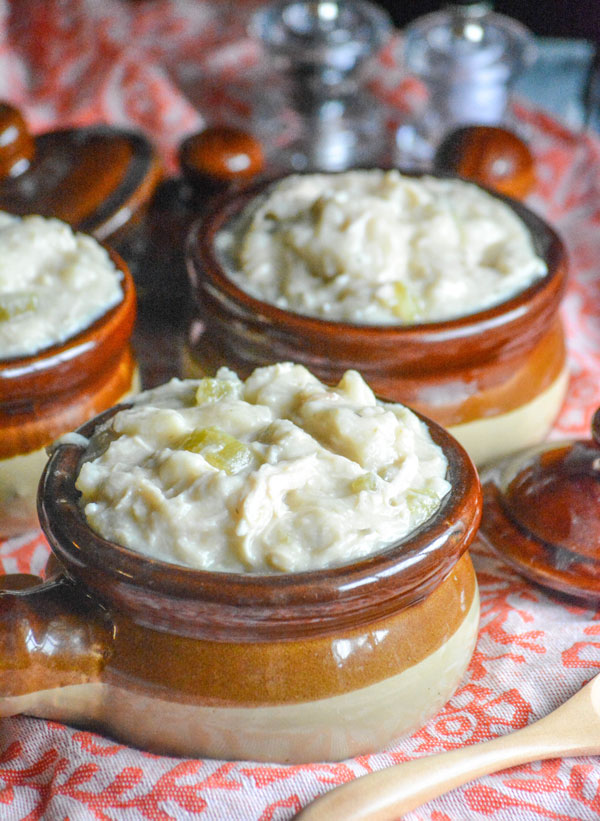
x: 366, y: 481
x: 211, y: 390
x: 220, y: 449
x: 15, y: 303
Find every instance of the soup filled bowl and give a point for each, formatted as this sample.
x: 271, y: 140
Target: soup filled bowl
x: 271, y: 570
x: 442, y: 294
x: 67, y: 311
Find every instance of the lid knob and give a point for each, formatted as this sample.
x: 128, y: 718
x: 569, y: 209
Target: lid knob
x: 488, y: 155
x: 219, y: 156
x: 17, y: 146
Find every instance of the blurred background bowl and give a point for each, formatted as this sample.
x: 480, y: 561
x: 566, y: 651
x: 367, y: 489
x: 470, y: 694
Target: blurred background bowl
x: 496, y: 378
x: 51, y: 392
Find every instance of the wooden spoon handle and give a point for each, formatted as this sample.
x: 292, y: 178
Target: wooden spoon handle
x: 387, y: 794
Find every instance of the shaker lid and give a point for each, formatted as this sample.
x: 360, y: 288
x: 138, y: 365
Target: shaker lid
x: 541, y: 514
x: 96, y: 178
x: 465, y: 38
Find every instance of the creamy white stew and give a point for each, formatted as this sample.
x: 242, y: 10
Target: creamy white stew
x: 380, y: 247
x: 53, y: 283
x: 277, y: 473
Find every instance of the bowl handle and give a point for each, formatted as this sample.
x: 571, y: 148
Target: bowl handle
x: 52, y: 634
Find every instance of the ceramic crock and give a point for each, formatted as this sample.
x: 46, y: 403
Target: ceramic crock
x: 317, y: 665
x: 54, y: 391
x: 496, y: 378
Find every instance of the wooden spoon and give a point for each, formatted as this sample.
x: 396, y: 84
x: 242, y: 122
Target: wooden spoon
x: 572, y: 729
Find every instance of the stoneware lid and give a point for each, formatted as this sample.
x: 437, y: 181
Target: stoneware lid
x: 98, y: 178
x: 541, y: 514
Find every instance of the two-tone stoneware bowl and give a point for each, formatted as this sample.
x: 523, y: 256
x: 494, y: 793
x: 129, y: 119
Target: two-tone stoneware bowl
x: 496, y: 378
x: 283, y: 667
x: 54, y: 391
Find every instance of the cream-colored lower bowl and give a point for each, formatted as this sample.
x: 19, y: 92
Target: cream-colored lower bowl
x: 329, y: 729
x: 334, y: 727
x: 492, y: 437
x: 19, y: 479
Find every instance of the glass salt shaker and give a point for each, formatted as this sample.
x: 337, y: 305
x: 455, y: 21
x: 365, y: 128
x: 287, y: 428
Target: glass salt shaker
x: 468, y: 57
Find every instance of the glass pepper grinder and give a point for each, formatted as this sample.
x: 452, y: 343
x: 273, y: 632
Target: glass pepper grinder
x: 468, y: 57
x: 316, y: 50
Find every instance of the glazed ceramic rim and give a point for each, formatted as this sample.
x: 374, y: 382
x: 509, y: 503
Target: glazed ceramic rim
x: 225, y: 207
x: 19, y: 374
x: 385, y: 582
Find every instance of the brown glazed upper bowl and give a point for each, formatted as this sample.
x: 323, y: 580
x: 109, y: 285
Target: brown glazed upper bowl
x: 282, y: 667
x: 496, y: 378
x: 53, y: 391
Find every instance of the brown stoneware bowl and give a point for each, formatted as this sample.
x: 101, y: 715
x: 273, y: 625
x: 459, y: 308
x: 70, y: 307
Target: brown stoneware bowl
x: 496, y: 378
x: 281, y: 667
x: 51, y: 392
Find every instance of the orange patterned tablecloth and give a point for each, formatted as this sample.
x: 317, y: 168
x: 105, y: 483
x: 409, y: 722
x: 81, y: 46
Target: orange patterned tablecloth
x: 81, y: 61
